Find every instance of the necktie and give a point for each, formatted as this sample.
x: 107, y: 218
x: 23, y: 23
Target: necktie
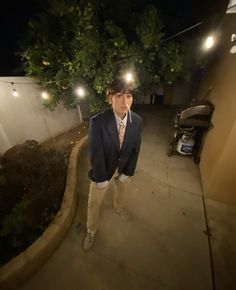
x: 121, y: 133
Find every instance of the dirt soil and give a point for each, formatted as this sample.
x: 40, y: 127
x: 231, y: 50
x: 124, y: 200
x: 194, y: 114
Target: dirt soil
x: 66, y: 141
x: 62, y: 143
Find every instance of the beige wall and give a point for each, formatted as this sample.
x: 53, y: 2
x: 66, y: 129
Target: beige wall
x: 24, y: 117
x: 218, y: 159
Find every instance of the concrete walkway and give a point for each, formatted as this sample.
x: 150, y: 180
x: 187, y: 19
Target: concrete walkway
x: 164, y: 245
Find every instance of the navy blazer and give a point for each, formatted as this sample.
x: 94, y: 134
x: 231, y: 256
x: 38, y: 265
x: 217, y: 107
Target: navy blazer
x: 104, y: 146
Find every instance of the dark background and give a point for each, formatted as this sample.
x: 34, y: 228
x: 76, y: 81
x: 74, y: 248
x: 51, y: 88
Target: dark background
x: 15, y: 15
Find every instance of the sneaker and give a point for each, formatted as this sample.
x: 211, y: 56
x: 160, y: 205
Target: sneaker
x: 125, y: 216
x: 88, y: 241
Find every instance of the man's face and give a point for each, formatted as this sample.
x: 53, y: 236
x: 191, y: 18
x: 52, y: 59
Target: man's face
x: 121, y: 103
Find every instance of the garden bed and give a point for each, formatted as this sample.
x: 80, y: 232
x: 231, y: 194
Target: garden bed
x: 32, y: 184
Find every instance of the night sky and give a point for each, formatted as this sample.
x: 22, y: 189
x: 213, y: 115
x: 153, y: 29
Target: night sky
x: 15, y: 16
x: 14, y: 20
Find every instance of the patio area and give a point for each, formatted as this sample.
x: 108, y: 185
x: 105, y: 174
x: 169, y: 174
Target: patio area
x: 164, y: 246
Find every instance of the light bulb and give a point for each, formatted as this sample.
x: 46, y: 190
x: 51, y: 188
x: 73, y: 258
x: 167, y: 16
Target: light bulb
x: 14, y: 93
x: 80, y: 92
x: 210, y: 41
x: 129, y: 77
x: 45, y: 95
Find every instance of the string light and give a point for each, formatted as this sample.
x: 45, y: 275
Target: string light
x: 209, y: 42
x: 129, y: 77
x: 14, y: 92
x: 80, y: 91
x: 45, y: 96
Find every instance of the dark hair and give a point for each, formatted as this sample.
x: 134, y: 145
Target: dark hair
x: 119, y: 85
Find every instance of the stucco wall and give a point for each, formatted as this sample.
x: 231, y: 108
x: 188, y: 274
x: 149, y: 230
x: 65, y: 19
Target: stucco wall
x: 218, y: 159
x: 24, y: 117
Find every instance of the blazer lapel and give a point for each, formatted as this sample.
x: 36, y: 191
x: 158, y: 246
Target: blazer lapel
x: 112, y: 129
x: 128, y: 135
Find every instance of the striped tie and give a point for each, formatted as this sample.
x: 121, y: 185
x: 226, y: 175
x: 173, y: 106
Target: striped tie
x: 121, y: 133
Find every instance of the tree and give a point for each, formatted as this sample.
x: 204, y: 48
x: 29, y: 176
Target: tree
x: 70, y: 44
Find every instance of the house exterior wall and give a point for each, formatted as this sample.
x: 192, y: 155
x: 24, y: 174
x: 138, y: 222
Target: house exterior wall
x: 218, y: 158
x: 24, y: 117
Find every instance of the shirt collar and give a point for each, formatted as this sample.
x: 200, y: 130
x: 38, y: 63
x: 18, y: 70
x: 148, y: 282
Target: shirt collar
x: 118, y: 120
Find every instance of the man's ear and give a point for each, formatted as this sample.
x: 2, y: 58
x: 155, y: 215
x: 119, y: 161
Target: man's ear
x: 110, y: 99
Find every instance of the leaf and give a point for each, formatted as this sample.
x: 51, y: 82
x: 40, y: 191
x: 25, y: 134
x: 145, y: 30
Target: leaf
x: 71, y: 44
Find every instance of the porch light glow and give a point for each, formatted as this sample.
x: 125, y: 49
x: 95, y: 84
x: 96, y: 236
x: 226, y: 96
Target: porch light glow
x: 129, y: 77
x: 45, y: 95
x: 210, y: 41
x: 14, y: 93
x: 80, y: 92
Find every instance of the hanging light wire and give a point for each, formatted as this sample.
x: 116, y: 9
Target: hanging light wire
x: 193, y: 26
x: 16, y: 83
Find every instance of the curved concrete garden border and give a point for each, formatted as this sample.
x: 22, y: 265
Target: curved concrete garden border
x: 25, y: 264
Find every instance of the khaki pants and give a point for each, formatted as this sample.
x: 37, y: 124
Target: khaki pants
x: 96, y: 196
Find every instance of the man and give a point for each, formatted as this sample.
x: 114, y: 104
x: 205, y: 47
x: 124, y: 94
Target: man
x: 114, y: 144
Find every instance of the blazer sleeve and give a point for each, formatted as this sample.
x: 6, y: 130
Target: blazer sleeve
x: 131, y: 165
x: 97, y: 157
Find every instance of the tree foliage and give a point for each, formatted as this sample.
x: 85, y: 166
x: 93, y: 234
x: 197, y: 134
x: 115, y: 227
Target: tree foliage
x: 73, y: 43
